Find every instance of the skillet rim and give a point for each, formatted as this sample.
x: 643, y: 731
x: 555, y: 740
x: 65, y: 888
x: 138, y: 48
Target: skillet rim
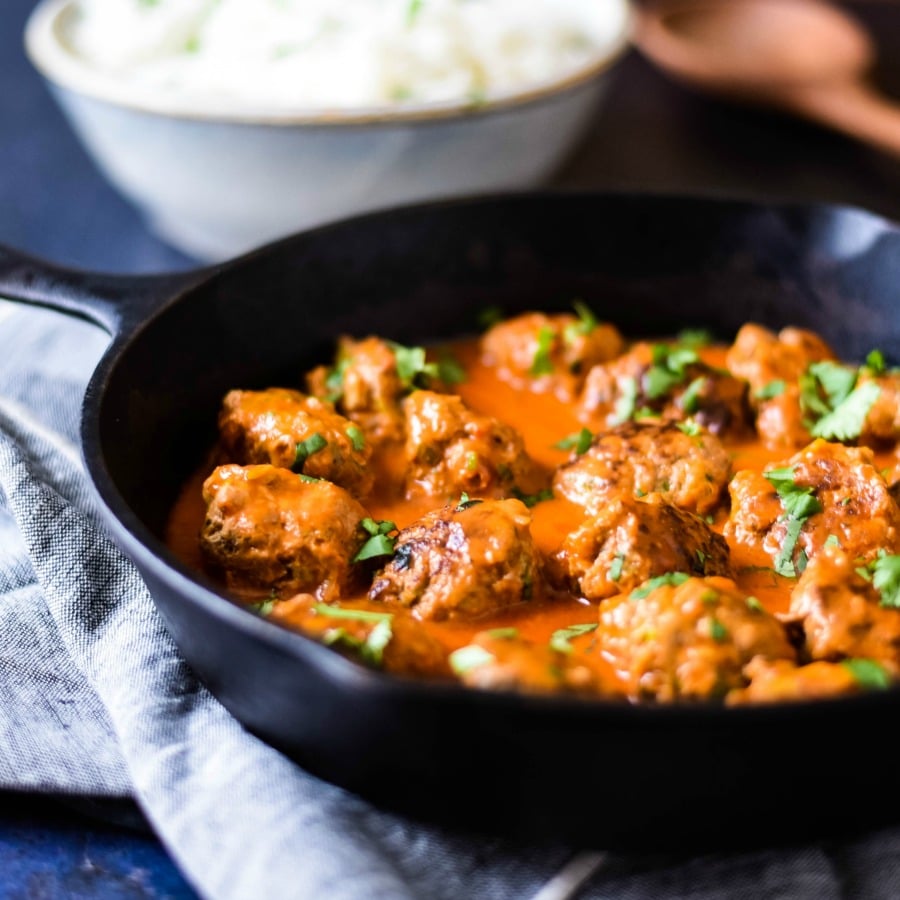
x: 197, y: 588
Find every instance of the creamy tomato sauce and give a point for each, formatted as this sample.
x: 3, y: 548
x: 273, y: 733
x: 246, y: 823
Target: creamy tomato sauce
x: 543, y: 420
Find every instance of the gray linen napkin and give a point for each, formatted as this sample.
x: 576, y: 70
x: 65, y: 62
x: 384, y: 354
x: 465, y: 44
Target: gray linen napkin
x: 95, y: 700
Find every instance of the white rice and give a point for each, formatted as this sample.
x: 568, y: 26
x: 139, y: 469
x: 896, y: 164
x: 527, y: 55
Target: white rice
x: 342, y: 53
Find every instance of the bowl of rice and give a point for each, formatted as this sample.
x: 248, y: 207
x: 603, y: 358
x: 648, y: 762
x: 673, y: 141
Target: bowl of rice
x: 230, y: 123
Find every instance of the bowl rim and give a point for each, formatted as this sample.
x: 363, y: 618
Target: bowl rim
x: 63, y: 68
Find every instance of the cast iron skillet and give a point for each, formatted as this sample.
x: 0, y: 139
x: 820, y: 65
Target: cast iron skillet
x: 584, y: 771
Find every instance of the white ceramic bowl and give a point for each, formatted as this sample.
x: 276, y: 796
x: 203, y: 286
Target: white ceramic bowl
x: 216, y: 182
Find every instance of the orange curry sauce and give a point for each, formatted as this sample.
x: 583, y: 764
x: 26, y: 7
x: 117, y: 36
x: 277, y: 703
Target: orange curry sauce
x: 542, y: 420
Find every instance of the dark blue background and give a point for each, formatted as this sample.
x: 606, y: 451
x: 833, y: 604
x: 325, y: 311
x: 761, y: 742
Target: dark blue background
x: 651, y: 136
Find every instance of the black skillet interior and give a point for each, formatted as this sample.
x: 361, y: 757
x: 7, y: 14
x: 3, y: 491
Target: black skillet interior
x: 561, y: 769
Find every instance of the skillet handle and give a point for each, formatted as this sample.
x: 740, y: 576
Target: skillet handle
x: 114, y: 302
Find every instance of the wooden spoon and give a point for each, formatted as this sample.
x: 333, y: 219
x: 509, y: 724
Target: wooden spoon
x: 805, y: 56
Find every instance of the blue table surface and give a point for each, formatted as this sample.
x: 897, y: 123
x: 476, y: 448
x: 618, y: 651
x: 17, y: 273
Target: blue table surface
x: 53, y: 203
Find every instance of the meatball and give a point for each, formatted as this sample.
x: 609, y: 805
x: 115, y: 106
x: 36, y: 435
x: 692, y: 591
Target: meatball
x: 266, y: 527
x: 451, y: 450
x: 882, y: 422
x: 775, y: 681
x: 762, y: 358
x: 681, y: 638
x: 850, y: 494
x: 288, y: 429
x: 689, y: 470
x: 667, y: 381
x: 773, y: 365
x: 500, y: 660
x: 843, y: 613
x: 390, y: 641
x: 549, y: 353
x: 369, y: 379
x: 463, y: 562
x: 630, y: 540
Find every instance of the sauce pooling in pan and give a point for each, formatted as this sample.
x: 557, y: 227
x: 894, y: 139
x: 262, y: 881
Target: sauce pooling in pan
x: 550, y: 508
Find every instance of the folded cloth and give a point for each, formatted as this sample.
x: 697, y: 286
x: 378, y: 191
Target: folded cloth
x: 95, y: 700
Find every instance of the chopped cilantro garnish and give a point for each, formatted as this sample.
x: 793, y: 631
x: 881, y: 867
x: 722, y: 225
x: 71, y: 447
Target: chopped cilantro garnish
x: 690, y: 399
x: 504, y: 633
x: 615, y: 568
x: 832, y: 541
x: 690, y: 427
x: 449, y: 370
x: 471, y: 461
x: 771, y: 390
x: 308, y: 479
x: 380, y: 543
x: 265, y: 607
x: 579, y: 441
x: 694, y: 338
x: 412, y: 370
x: 670, y: 578
x: 560, y: 639
x: 754, y: 604
x: 306, y: 448
x: 799, y: 504
x: 875, y: 362
x: 541, y: 364
x: 357, y: 438
x: 868, y: 673
x: 845, y: 422
x: 886, y: 579
x: 467, y: 658
x: 466, y: 503
x: 627, y: 401
x: 489, y: 317
x: 531, y: 500
x: 668, y: 370
x: 352, y: 615
x: 334, y: 380
x: 717, y: 631
x: 586, y: 323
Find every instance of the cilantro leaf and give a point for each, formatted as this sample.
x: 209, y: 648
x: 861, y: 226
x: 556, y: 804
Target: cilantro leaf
x: 690, y: 399
x: 489, y: 317
x: 868, y: 673
x: 771, y: 390
x: 450, y: 371
x: 560, y: 639
x: 627, y: 401
x: 673, y: 579
x: 693, y: 338
x: 615, y: 568
x: 845, y: 422
x: 586, y: 323
x: 504, y: 633
x: 541, y: 364
x: 668, y: 370
x: 381, y: 542
x: 875, y: 362
x: 306, y: 448
x: 470, y: 657
x: 799, y: 504
x: 579, y: 441
x: 352, y: 615
x: 531, y: 500
x: 465, y: 502
x: 357, y: 438
x: 886, y: 579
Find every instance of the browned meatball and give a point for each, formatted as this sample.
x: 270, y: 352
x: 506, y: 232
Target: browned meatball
x: 391, y: 641
x: 267, y: 527
x: 667, y: 381
x: 502, y: 661
x: 843, y: 613
x: 288, y: 429
x: 773, y: 365
x: 630, y: 540
x: 689, y: 470
x: 882, y: 423
x: 761, y: 357
x: 369, y: 379
x: 852, y: 496
x: 549, y: 353
x: 776, y: 681
x: 451, y: 450
x: 463, y: 562
x: 680, y: 638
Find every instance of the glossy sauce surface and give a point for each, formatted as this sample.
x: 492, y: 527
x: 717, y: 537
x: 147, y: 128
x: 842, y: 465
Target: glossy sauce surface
x: 542, y: 420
